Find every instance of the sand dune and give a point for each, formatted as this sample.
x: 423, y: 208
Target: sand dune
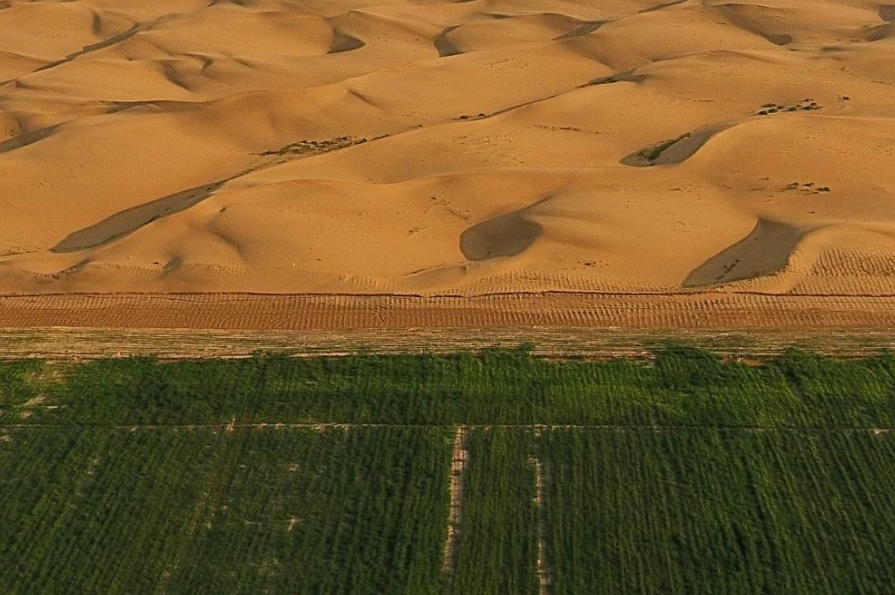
x: 436, y: 147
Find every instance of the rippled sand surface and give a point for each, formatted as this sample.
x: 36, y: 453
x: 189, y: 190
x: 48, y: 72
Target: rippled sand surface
x: 435, y: 147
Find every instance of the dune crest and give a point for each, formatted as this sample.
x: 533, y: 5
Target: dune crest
x: 406, y: 147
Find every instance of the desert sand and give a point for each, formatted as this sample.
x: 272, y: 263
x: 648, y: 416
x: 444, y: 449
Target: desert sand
x: 431, y: 147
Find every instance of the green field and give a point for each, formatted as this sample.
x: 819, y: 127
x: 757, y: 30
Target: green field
x: 680, y: 474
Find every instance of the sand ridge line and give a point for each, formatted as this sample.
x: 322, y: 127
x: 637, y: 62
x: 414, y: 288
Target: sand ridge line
x: 124, y: 223
x: 115, y: 39
x: 680, y: 149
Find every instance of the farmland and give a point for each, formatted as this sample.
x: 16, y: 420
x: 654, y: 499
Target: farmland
x: 486, y: 473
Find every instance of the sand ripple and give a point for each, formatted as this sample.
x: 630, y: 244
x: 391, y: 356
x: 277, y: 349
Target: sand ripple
x: 400, y: 146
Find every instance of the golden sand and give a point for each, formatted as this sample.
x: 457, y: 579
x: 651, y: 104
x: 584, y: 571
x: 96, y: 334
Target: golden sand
x: 436, y: 147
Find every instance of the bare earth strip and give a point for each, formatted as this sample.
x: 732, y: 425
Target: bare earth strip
x: 305, y: 312
x: 459, y: 457
x: 237, y: 325
x: 543, y: 576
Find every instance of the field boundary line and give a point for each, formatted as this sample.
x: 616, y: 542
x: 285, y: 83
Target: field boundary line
x: 459, y: 459
x: 543, y: 575
x: 229, y: 426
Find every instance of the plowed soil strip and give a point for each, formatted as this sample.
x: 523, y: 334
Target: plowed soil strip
x: 63, y: 343
x: 559, y: 324
x: 717, y: 311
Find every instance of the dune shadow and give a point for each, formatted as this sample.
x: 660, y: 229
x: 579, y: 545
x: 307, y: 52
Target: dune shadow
x: 506, y: 235
x: 752, y: 23
x: 887, y: 29
x: 662, y: 6
x: 585, y: 29
x: 765, y: 251
x: 114, y: 40
x: 880, y: 32
x: 172, y: 75
x: 130, y: 220
x: 445, y: 46
x: 342, y: 42
x: 28, y: 138
x: 675, y: 150
x: 777, y: 38
x: 115, y: 107
x: 622, y: 77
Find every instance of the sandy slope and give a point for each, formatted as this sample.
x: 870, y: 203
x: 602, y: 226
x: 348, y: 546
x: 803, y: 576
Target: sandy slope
x: 430, y: 146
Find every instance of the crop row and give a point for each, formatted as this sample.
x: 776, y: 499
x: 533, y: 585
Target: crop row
x: 679, y: 387
x: 719, y: 511
x: 198, y: 511
x: 366, y: 510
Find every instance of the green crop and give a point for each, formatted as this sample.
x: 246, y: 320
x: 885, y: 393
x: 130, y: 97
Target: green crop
x: 678, y: 474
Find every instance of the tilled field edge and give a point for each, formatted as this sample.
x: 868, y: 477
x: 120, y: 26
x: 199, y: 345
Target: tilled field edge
x: 175, y: 326
x: 305, y: 312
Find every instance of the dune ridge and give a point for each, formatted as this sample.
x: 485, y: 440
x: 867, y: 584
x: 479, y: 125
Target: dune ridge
x: 429, y: 147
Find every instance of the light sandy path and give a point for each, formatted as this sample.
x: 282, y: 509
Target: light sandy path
x: 459, y: 458
x: 543, y: 574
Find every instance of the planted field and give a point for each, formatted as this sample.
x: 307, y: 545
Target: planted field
x: 719, y: 511
x: 103, y: 510
x: 496, y: 549
x: 491, y: 474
